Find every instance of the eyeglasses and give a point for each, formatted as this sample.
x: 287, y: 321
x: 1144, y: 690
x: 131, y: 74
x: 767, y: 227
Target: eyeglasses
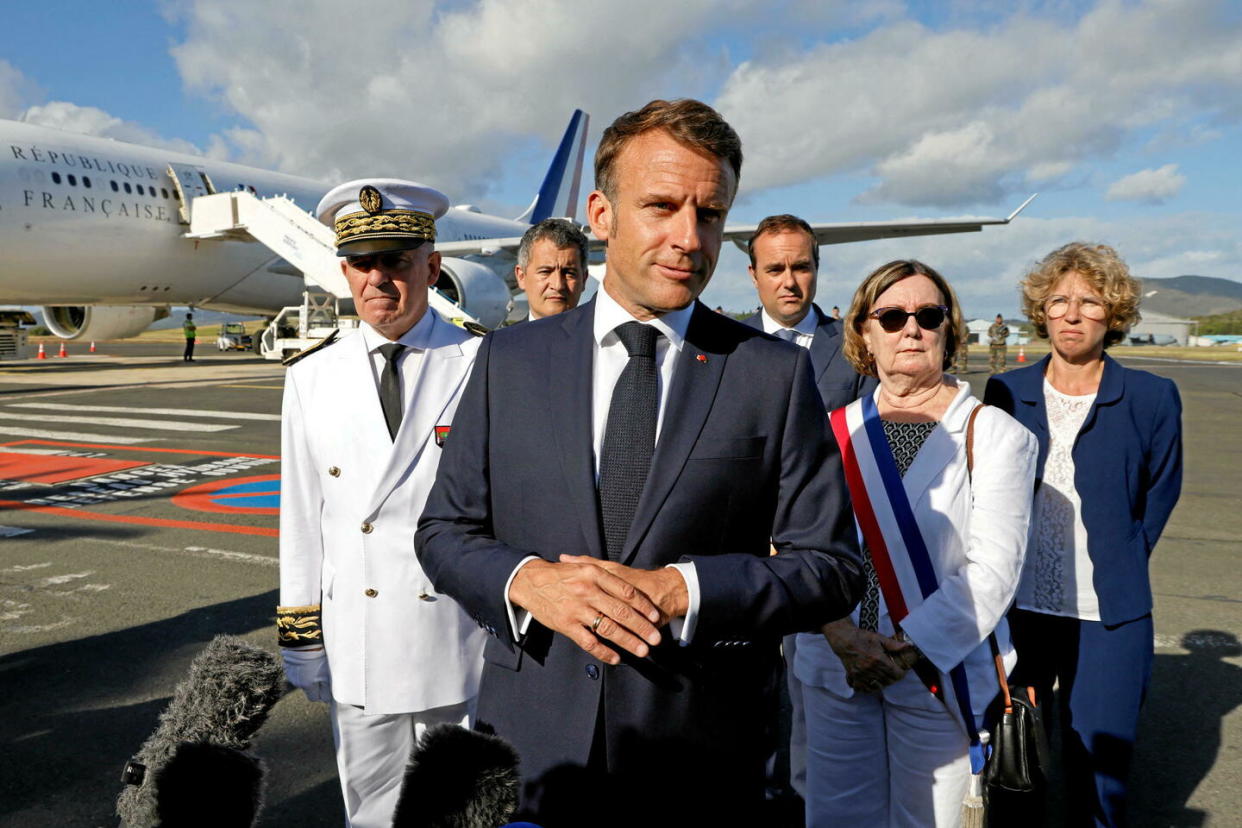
x: 389, y: 261
x: 892, y: 320
x: 1089, y: 306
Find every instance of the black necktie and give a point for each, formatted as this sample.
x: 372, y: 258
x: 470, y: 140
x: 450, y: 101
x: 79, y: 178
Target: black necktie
x: 629, y: 436
x: 390, y: 387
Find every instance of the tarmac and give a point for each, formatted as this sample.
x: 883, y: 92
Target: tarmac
x: 138, y: 512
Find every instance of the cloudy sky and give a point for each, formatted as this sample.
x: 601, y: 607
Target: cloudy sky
x: 1124, y: 116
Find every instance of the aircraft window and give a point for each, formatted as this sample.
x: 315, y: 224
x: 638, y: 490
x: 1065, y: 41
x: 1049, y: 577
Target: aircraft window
x: 163, y: 192
x: 140, y: 190
x: 114, y: 187
x: 86, y: 181
x: 73, y: 180
x: 55, y: 178
x: 128, y: 188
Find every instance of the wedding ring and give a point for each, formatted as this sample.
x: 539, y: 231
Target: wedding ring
x: 599, y: 619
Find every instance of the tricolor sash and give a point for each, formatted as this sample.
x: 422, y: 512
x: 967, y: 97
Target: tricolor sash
x: 886, y: 521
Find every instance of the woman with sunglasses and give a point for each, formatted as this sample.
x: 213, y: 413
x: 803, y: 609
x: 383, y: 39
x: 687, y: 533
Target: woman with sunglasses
x: 1110, y: 471
x: 895, y: 692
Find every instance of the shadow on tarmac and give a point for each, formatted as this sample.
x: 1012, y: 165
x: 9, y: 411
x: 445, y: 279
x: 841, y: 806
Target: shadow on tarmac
x: 69, y: 718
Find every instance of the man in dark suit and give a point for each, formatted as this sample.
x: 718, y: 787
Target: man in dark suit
x: 551, y: 267
x: 784, y: 266
x: 607, y: 497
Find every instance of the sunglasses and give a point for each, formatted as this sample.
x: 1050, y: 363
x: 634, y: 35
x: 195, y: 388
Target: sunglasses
x: 893, y: 320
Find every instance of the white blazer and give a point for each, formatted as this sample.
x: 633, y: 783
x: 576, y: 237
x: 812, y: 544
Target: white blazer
x: 977, y: 549
x: 350, y: 502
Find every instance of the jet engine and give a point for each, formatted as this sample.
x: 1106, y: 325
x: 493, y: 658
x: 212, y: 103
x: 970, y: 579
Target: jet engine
x: 476, y: 287
x: 100, y: 322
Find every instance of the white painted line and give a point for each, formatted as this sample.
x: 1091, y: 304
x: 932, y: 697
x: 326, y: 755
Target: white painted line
x: 13, y: 531
x: 83, y: 588
x: 72, y: 436
x: 1181, y: 361
x: 194, y: 552
x: 171, y: 412
x: 57, y: 580
x: 25, y: 567
x: 38, y: 628
x: 160, y: 425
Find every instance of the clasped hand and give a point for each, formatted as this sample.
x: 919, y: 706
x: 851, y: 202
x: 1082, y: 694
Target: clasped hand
x: 872, y: 661
x: 590, y: 601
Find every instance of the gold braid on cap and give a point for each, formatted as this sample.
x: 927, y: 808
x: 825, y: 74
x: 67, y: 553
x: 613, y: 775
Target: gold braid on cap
x: 400, y: 222
x: 298, y: 626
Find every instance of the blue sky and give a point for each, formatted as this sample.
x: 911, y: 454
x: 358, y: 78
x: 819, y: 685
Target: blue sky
x: 1123, y: 115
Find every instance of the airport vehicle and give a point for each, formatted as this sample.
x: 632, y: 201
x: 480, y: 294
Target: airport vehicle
x: 233, y: 337
x: 107, y: 235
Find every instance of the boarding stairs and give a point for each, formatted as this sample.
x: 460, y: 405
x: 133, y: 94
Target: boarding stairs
x: 291, y: 233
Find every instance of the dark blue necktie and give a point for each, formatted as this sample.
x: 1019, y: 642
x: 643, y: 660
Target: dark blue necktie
x: 788, y: 334
x: 629, y: 436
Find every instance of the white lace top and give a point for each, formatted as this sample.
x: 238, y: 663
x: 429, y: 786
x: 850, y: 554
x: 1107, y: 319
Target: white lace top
x: 1057, y: 576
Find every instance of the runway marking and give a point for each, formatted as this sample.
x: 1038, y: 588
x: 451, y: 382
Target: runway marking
x: 138, y: 520
x: 11, y: 610
x: 194, y: 552
x: 171, y: 412
x: 12, y: 532
x: 26, y: 567
x: 57, y: 580
x: 66, y: 621
x: 83, y: 588
x: 1197, y: 641
x: 144, y: 449
x: 80, y: 436
x: 43, y: 468
x: 120, y: 422
x: 214, y: 495
x: 264, y: 387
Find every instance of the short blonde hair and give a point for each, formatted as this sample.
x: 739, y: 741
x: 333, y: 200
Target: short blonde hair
x: 1103, y: 268
x: 880, y: 280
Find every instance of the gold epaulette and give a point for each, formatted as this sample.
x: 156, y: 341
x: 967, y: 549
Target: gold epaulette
x: 475, y: 328
x: 318, y: 346
x: 298, y: 626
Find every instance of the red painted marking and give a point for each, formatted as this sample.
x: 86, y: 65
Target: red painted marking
x: 199, y: 498
x: 140, y: 521
x: 48, y: 468
x: 137, y: 448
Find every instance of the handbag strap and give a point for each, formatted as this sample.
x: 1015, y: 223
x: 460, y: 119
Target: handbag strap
x: 1001, y: 678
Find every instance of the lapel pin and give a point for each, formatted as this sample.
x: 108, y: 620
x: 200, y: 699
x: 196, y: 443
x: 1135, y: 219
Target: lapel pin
x: 702, y: 358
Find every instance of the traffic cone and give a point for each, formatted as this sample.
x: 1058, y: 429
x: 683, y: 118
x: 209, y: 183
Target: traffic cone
x: 41, y: 354
x: 62, y: 353
x: 1021, y: 354
x: 92, y: 346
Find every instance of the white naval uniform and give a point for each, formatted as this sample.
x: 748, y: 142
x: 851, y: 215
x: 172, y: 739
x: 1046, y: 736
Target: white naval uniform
x: 350, y: 502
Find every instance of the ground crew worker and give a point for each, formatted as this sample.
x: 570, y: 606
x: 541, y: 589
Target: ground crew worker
x: 191, y: 332
x: 960, y: 365
x: 998, y: 336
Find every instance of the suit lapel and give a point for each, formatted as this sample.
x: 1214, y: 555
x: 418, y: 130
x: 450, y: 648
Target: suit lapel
x: 940, y: 448
x: 359, y: 397
x: 689, y: 402
x: 569, y: 390
x: 442, y: 372
x: 825, y: 343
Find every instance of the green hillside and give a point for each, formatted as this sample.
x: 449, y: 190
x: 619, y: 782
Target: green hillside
x: 1221, y: 323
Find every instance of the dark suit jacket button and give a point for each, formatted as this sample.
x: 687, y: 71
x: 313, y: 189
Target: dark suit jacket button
x: 592, y: 672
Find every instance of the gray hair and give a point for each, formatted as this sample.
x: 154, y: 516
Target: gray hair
x: 560, y: 232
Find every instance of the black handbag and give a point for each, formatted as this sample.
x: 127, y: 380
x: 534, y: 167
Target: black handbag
x: 1019, y: 759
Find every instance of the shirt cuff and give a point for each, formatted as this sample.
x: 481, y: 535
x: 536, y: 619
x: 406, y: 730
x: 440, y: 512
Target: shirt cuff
x: 519, y: 619
x: 683, y: 628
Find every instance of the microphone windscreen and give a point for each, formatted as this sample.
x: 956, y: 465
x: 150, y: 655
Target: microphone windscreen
x: 459, y: 778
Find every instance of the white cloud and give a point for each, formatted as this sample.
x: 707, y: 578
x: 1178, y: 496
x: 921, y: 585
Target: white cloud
x: 969, y: 115
x: 1148, y: 186
x: 449, y: 96
x: 14, y: 90
x: 89, y: 120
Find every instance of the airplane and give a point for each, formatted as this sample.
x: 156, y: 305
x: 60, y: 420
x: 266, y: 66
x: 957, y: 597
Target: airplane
x: 96, y: 232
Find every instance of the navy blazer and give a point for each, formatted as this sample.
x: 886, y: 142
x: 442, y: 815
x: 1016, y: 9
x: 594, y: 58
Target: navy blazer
x: 1127, y: 470
x: 835, y: 379
x: 743, y: 457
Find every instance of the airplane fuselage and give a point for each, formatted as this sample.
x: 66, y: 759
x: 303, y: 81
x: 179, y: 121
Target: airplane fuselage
x: 91, y: 221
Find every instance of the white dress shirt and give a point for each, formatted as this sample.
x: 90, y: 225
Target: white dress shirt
x: 410, y: 362
x: 804, y: 331
x: 608, y: 361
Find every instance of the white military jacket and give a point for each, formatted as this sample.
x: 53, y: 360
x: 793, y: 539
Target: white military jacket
x: 350, y: 502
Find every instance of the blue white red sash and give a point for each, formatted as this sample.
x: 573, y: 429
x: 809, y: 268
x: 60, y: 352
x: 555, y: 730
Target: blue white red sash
x: 902, y: 563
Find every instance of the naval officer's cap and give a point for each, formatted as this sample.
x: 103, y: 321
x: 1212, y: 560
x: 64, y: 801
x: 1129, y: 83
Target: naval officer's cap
x: 377, y: 215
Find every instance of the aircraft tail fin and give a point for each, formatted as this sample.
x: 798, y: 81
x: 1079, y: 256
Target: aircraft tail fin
x: 558, y: 195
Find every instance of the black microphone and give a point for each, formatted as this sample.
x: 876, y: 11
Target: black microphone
x: 193, y: 769
x: 458, y: 778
